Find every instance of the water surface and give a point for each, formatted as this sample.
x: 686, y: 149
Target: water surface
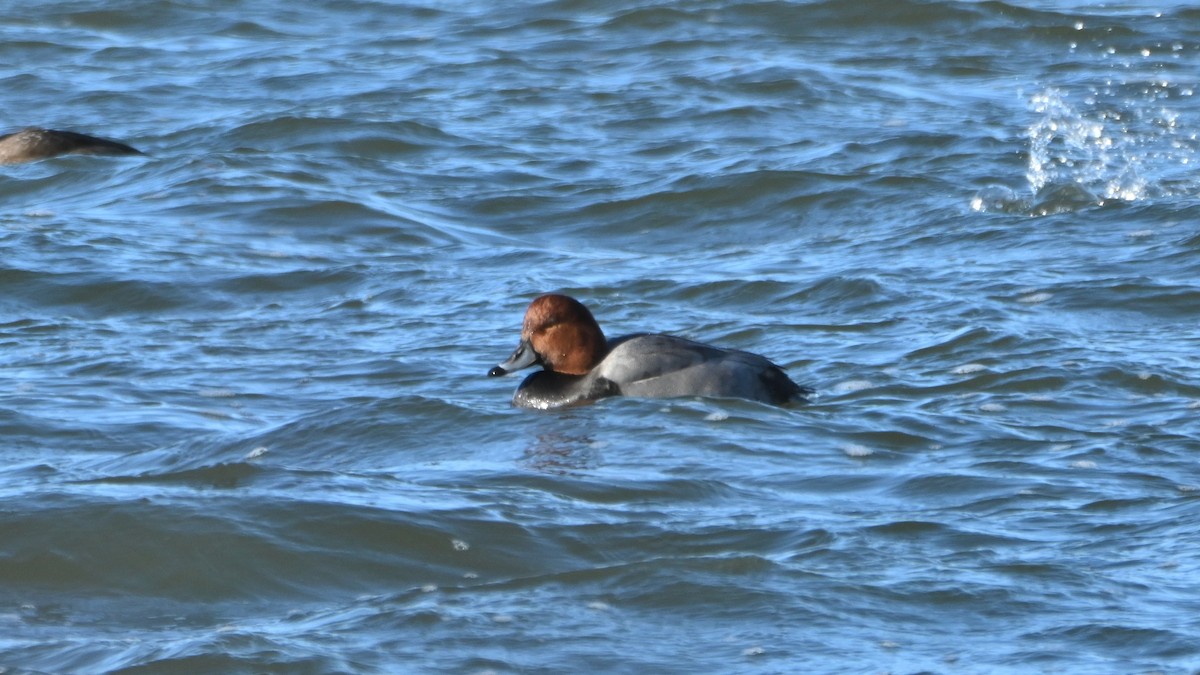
x: 246, y: 427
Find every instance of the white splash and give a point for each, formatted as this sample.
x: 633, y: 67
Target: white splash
x: 856, y: 450
x: 853, y: 385
x: 1088, y: 151
x: 1035, y: 298
x: 1118, y: 141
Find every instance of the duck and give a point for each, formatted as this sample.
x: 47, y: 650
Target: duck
x: 580, y: 366
x: 35, y: 143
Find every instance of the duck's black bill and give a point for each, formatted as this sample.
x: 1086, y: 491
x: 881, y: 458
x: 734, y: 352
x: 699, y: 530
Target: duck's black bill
x: 523, y: 357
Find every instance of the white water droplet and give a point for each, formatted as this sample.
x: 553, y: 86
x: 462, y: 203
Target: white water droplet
x: 856, y: 450
x: 853, y: 385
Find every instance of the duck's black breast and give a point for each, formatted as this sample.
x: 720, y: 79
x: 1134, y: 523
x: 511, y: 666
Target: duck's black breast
x: 545, y: 389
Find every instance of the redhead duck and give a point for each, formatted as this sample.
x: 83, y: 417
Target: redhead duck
x: 27, y: 145
x: 579, y: 365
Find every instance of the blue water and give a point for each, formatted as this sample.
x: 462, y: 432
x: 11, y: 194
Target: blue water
x: 245, y: 419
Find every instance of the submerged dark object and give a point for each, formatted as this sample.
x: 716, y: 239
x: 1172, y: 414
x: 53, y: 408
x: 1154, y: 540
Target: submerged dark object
x: 35, y: 143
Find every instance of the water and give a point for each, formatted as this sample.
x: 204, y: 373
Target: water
x: 246, y: 424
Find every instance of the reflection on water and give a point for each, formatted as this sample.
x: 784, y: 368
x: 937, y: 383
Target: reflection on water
x: 562, y: 453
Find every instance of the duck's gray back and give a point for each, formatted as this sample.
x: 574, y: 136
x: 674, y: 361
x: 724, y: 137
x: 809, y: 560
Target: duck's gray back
x: 662, y: 366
